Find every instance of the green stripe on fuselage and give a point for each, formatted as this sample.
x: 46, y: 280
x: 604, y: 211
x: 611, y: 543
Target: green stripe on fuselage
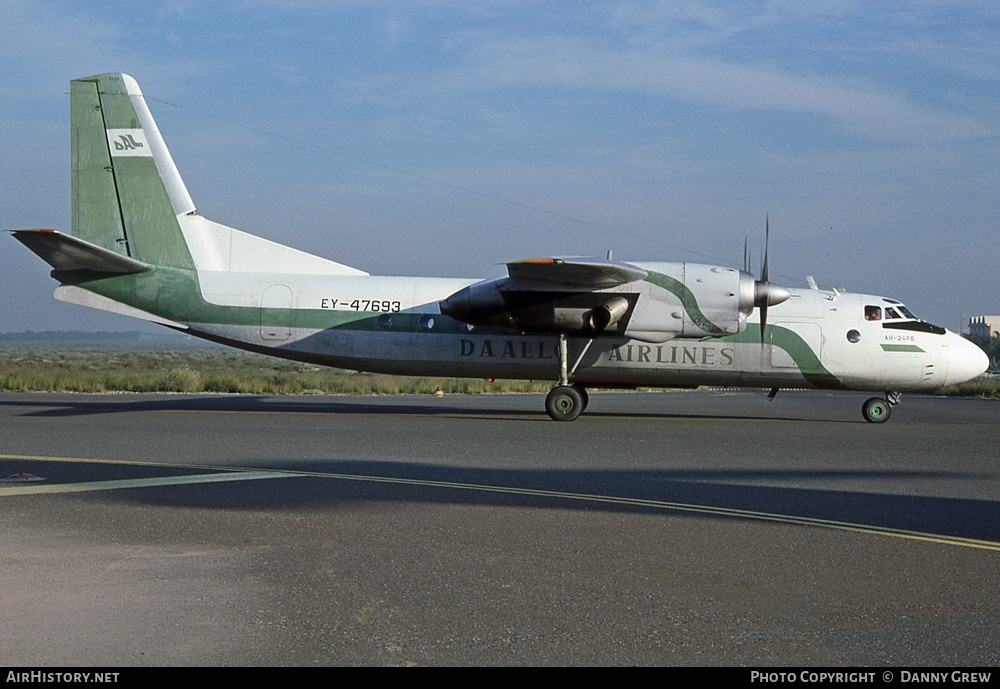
x: 901, y: 348
x: 688, y: 300
x: 174, y: 294
x: 806, y: 360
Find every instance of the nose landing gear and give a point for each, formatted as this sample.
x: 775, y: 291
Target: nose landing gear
x: 877, y: 410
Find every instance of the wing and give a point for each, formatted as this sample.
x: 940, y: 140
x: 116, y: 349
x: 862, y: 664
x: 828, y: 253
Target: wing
x: 575, y: 273
x: 550, y: 295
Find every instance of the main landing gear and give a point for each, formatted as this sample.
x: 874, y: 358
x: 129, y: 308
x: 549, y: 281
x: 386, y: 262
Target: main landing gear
x: 878, y: 410
x: 567, y: 401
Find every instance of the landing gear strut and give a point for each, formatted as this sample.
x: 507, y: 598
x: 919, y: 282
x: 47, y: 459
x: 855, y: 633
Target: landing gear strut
x: 877, y: 410
x: 567, y: 401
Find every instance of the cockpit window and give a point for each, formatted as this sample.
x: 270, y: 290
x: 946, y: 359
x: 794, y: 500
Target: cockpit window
x: 898, y: 317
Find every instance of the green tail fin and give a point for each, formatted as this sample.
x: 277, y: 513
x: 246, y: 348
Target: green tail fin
x: 127, y: 192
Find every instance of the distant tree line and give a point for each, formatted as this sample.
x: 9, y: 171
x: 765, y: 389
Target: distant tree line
x: 71, y: 336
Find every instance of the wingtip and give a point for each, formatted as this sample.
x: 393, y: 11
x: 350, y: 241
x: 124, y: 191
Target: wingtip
x: 542, y: 261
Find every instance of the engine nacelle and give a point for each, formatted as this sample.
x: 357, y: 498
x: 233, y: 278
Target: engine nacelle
x: 671, y: 300
x: 524, y: 307
x: 692, y: 300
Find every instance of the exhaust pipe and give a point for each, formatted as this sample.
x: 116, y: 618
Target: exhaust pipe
x: 607, y: 314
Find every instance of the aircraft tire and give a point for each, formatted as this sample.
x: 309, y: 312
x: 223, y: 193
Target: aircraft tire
x: 564, y: 403
x: 583, y: 395
x: 876, y: 410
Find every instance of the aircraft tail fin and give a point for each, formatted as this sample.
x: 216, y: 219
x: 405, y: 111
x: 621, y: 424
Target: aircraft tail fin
x: 129, y: 198
x: 126, y: 193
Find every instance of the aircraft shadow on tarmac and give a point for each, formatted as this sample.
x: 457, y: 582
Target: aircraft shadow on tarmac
x: 350, y: 404
x: 336, y: 484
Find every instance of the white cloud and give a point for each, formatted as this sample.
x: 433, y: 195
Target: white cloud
x: 861, y: 108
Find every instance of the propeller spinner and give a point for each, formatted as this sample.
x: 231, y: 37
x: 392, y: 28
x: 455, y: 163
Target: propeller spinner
x: 765, y: 294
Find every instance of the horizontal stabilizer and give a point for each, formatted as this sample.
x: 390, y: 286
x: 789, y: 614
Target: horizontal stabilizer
x: 575, y: 273
x: 65, y: 252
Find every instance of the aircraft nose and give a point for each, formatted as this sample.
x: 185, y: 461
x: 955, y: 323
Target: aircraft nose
x: 965, y: 361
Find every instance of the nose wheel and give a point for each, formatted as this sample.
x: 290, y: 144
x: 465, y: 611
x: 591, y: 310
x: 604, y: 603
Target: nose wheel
x: 878, y: 410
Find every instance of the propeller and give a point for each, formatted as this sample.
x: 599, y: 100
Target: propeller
x: 765, y: 294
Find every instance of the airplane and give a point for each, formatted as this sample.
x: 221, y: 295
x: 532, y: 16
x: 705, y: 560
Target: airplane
x: 140, y: 248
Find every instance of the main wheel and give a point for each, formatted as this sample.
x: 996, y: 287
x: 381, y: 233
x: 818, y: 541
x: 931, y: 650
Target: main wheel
x: 876, y: 410
x: 564, y: 403
x: 583, y: 395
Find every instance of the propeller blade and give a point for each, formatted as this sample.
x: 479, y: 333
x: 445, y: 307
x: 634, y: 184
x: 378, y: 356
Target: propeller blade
x: 768, y: 294
x: 765, y: 294
x: 763, y: 322
x: 767, y: 240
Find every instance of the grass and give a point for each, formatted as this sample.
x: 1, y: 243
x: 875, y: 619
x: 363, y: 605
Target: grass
x: 982, y: 388
x: 213, y: 370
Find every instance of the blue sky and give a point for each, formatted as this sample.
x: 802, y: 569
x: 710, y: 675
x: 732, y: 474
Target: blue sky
x: 443, y: 138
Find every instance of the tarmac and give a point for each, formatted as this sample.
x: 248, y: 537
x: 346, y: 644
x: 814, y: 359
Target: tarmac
x: 669, y: 528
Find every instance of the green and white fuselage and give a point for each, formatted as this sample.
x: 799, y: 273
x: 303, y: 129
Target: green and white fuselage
x: 394, y: 325
x: 140, y: 248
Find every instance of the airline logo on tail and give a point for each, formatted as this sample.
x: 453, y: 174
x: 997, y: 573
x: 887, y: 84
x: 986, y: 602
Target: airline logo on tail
x: 128, y: 142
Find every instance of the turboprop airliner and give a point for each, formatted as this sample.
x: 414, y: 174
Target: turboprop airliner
x: 139, y: 247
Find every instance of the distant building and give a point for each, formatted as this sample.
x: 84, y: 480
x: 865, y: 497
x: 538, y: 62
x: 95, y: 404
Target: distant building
x: 984, y: 327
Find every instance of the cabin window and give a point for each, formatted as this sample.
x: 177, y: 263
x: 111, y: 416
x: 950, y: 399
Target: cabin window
x: 873, y: 313
x: 853, y: 336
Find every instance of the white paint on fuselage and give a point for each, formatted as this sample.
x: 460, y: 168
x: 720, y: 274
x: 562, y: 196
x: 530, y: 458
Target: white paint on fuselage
x: 333, y: 292
x: 821, y: 319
